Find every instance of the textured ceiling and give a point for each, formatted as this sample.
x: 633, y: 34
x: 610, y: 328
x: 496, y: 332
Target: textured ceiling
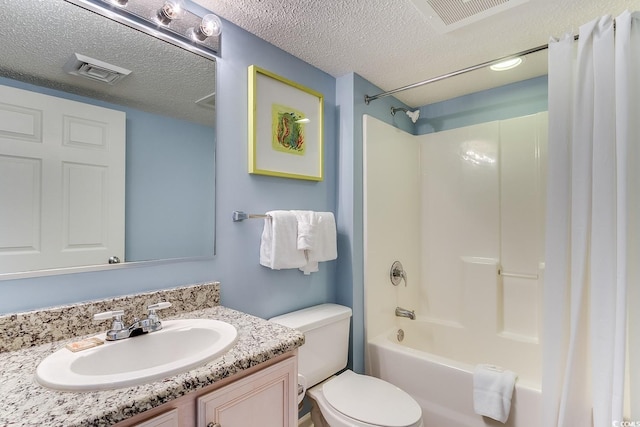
x: 165, y: 79
x: 388, y: 42
x: 391, y: 44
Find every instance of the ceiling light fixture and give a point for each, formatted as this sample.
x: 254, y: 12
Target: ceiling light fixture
x: 507, y: 65
x: 179, y: 25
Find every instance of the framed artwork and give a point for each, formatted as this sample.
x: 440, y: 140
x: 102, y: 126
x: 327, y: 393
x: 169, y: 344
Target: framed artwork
x: 285, y: 127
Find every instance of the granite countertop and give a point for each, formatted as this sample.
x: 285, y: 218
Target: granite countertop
x: 26, y: 403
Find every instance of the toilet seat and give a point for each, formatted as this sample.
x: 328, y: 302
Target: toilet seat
x: 360, y: 400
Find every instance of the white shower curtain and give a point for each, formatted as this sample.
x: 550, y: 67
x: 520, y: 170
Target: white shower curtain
x: 592, y: 221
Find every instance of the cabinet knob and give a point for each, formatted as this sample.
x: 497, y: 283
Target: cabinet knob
x: 213, y: 425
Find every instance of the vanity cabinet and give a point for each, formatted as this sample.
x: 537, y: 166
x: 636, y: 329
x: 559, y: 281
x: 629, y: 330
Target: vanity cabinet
x: 263, y: 399
x: 262, y: 395
x: 168, y: 419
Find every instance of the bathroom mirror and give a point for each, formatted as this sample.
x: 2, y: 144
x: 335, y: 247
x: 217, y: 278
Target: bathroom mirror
x: 169, y: 101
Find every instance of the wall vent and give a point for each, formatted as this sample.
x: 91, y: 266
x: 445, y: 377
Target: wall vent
x: 449, y: 15
x: 94, y: 69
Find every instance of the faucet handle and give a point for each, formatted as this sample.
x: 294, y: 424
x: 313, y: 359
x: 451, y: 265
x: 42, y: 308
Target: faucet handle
x: 118, y: 324
x: 117, y: 314
x: 159, y: 306
x: 154, y: 321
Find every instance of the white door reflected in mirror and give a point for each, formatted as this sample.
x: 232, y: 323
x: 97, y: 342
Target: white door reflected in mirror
x: 62, y: 182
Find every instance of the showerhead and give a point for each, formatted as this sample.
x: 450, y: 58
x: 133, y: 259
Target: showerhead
x: 413, y: 115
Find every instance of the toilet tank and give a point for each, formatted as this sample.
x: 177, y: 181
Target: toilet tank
x: 326, y: 339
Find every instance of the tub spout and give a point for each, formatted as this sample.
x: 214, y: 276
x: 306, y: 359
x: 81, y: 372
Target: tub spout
x: 403, y: 312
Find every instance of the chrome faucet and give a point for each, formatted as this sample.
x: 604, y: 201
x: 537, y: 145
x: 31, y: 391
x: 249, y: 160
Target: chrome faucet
x: 403, y: 312
x: 120, y: 331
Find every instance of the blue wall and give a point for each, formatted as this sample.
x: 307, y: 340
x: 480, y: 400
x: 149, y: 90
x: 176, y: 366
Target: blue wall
x: 169, y: 204
x: 505, y: 102
x: 246, y: 285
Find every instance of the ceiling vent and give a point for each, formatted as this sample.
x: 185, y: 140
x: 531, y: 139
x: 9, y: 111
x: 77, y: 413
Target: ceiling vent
x: 94, y: 69
x: 449, y: 15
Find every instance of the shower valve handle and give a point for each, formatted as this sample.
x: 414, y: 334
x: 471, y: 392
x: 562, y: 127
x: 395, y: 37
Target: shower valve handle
x: 397, y: 274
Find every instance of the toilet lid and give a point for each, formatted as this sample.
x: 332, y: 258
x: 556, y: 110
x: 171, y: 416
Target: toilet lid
x: 371, y: 400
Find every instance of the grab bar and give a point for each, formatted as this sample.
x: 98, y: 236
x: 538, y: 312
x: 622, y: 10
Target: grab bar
x: 517, y: 275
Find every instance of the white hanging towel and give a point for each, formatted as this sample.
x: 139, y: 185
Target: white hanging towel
x: 307, y: 224
x: 492, y: 391
x: 317, y: 237
x: 278, y: 246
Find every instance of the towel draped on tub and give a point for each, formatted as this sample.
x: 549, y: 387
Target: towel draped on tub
x: 492, y: 391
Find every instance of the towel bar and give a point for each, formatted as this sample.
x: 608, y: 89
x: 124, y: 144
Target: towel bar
x: 241, y: 216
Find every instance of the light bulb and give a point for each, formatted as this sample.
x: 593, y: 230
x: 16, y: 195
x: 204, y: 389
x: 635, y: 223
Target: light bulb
x: 170, y: 10
x: 210, y: 26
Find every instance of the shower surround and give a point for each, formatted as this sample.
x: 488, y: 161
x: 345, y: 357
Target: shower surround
x: 463, y: 211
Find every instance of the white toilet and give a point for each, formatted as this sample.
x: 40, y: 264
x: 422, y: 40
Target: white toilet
x: 348, y: 399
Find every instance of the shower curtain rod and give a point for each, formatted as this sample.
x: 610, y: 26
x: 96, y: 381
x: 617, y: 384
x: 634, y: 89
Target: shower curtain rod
x: 368, y: 99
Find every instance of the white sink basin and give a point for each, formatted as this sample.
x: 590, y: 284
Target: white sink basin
x: 179, y: 346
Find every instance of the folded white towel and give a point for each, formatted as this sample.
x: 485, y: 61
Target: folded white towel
x: 306, y: 229
x: 278, y: 246
x: 317, y: 236
x: 492, y: 391
x: 325, y: 246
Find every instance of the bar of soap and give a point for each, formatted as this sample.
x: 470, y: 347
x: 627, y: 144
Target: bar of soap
x: 84, y: 344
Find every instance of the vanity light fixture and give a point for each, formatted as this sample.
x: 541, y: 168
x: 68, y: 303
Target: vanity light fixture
x: 507, y: 65
x: 170, y: 20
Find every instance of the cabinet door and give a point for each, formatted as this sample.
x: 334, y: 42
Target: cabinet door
x: 266, y: 398
x: 168, y: 419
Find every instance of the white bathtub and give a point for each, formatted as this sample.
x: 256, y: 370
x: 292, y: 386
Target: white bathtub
x: 442, y: 386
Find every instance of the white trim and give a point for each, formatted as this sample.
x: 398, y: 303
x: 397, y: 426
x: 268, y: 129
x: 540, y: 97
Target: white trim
x: 100, y: 267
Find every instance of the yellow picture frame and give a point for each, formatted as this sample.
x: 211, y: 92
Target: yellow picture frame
x: 285, y: 127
